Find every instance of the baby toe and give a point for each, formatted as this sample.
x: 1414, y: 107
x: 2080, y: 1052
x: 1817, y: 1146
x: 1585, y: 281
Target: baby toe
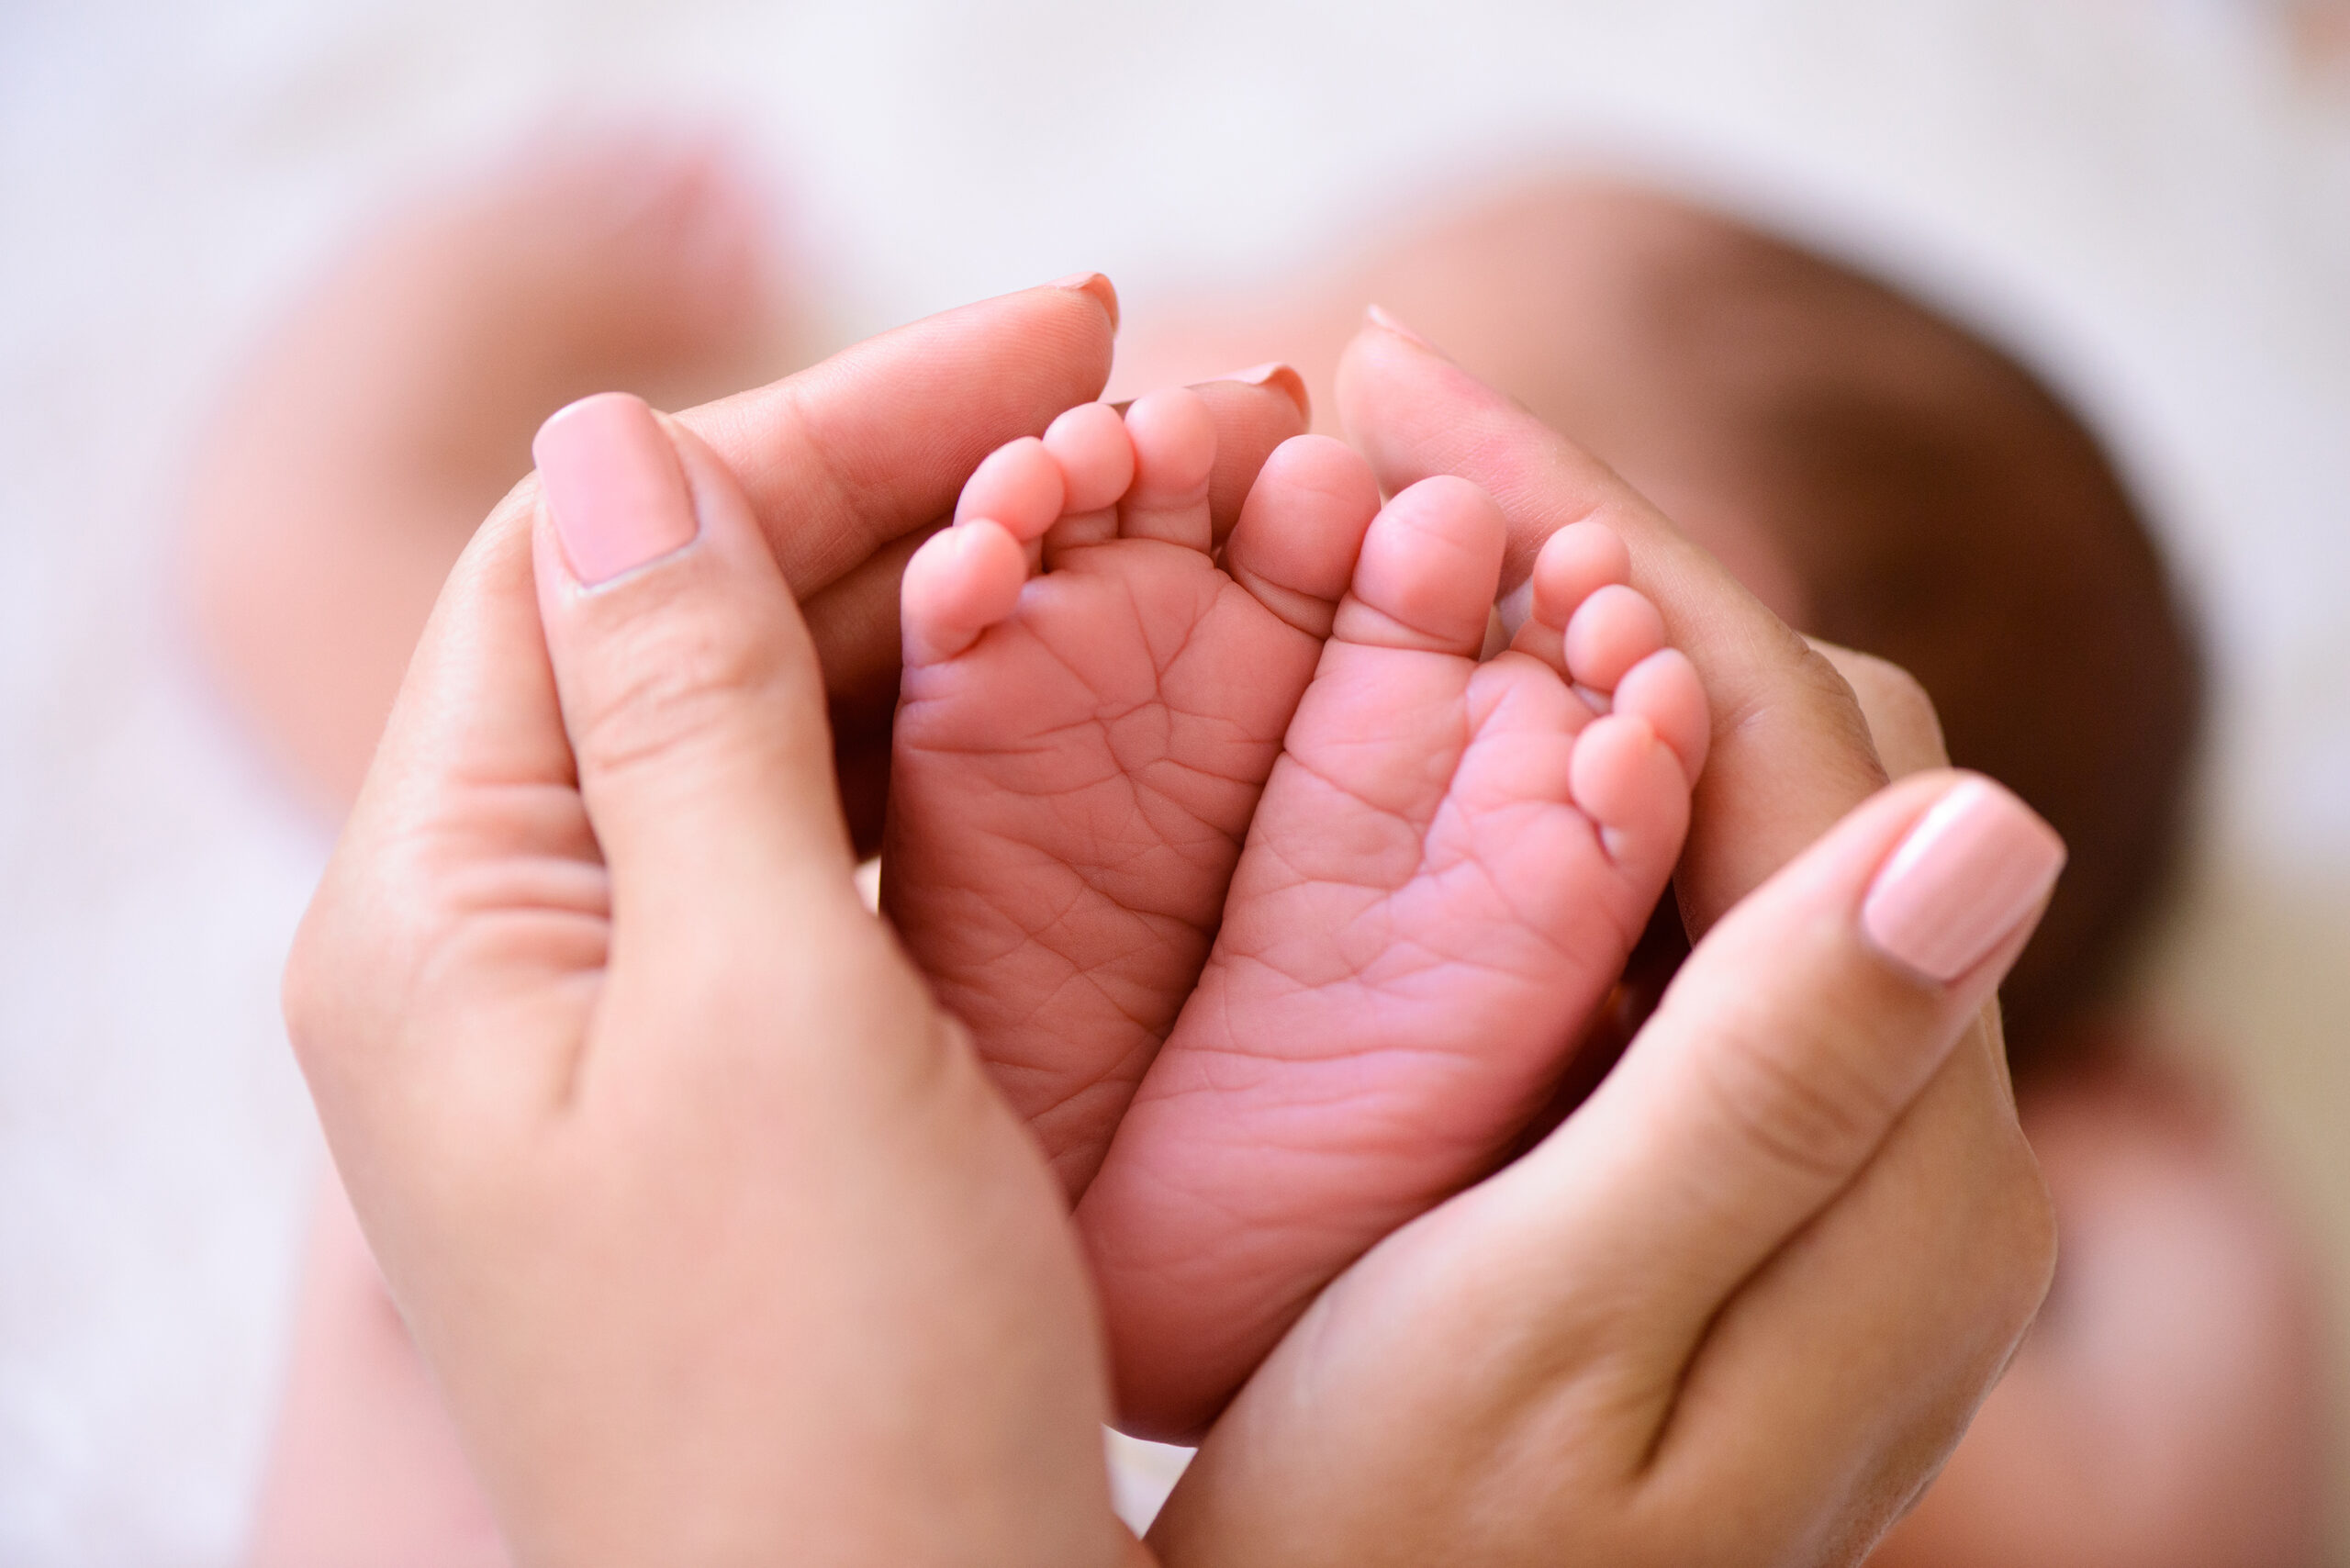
x: 1097, y: 462
x: 1019, y: 486
x: 1173, y: 437
x: 1610, y: 631
x: 1575, y: 563
x: 1663, y: 689
x: 1629, y: 783
x: 1430, y: 563
x: 962, y: 581
x: 1096, y: 457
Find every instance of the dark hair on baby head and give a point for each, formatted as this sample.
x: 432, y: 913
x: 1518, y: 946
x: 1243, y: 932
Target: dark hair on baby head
x: 1944, y: 509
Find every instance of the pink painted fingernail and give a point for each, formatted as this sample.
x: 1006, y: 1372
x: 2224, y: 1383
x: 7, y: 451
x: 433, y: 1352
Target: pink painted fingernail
x: 613, y: 487
x: 1103, y: 291
x: 1971, y: 871
x: 1273, y: 373
x: 1380, y: 316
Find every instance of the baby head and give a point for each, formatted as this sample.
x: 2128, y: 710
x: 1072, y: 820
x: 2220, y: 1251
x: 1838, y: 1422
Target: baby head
x: 1884, y: 478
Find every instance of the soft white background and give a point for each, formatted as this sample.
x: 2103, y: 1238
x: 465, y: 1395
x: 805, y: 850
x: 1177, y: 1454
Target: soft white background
x: 2145, y: 194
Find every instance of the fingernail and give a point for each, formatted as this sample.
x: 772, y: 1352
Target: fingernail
x: 1381, y: 317
x: 1273, y: 373
x: 1103, y: 292
x: 1969, y: 872
x: 613, y: 486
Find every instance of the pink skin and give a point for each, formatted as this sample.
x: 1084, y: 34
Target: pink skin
x: 1445, y: 875
x: 1448, y: 870
x: 341, y: 473
x: 1089, y: 707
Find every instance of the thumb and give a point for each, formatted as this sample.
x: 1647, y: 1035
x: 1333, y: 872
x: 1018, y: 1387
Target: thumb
x: 687, y: 681
x: 1794, y: 1039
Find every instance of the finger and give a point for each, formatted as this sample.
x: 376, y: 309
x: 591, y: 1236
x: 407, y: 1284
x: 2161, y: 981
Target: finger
x: 875, y: 443
x: 475, y: 770
x: 1821, y: 1009
x: 1790, y: 752
x: 855, y: 625
x: 471, y: 746
x: 1790, y: 1046
x: 688, y: 687
x: 1829, y: 1302
x: 1865, y: 1359
x: 1901, y: 718
x: 1594, y: 1294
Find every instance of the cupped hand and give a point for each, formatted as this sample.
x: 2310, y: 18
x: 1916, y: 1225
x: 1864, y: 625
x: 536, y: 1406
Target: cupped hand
x: 845, y: 468
x: 1740, y: 1304
x: 719, y: 1242
x: 850, y: 465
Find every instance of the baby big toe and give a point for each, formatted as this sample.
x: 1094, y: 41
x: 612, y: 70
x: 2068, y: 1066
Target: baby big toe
x: 1302, y: 529
x: 1429, y: 565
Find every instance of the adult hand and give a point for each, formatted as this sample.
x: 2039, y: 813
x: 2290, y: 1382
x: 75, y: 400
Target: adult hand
x: 846, y: 467
x: 718, y: 1241
x: 1741, y: 1304
x: 849, y: 465
x: 2169, y: 1407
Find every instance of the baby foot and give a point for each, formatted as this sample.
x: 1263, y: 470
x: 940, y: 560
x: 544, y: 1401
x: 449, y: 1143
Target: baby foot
x: 1079, y: 750
x: 1451, y: 864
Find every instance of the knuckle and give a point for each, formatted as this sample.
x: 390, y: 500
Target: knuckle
x: 1809, y: 687
x: 348, y: 970
x: 678, y: 686
x: 1900, y: 713
x: 1819, y: 1112
x: 1887, y: 687
x: 375, y: 947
